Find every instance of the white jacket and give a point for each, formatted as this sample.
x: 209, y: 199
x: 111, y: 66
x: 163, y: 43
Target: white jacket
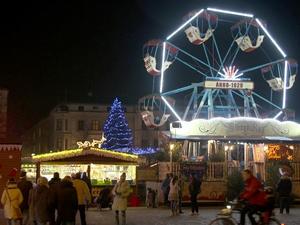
x: 11, y: 199
x: 121, y: 191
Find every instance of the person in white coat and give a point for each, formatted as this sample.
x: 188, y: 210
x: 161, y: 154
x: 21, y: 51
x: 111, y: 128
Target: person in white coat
x: 121, y: 191
x: 11, y: 200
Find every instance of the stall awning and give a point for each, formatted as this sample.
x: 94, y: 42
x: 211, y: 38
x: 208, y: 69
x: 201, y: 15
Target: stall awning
x: 83, y: 152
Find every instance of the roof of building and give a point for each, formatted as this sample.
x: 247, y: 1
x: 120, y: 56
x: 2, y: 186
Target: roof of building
x: 54, y: 156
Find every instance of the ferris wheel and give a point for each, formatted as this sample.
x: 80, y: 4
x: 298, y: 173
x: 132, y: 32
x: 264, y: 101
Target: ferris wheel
x: 220, y: 63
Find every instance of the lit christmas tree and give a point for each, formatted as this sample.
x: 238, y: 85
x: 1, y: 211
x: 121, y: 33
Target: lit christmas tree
x: 116, y: 130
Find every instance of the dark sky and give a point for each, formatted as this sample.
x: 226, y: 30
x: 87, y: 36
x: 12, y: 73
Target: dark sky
x: 56, y: 51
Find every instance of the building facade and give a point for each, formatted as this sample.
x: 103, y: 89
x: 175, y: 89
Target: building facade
x: 69, y: 123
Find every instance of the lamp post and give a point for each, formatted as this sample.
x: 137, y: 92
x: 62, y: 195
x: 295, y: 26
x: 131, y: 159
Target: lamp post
x: 171, y: 156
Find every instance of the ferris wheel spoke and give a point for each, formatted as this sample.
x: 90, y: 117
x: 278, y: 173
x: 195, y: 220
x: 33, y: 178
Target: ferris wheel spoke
x: 217, y: 50
x: 226, y: 55
x: 190, y: 66
x: 261, y: 66
x: 208, y: 61
x: 266, y: 100
x: 193, y: 57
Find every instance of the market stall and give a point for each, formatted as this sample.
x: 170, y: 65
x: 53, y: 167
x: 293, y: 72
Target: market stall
x: 104, y: 167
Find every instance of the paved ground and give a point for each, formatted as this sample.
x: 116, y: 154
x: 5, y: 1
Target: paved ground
x: 161, y: 216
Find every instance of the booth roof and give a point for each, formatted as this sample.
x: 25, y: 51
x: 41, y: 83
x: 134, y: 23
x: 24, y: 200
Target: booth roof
x: 83, y: 152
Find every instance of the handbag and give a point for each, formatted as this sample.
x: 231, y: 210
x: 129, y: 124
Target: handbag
x: 15, y: 208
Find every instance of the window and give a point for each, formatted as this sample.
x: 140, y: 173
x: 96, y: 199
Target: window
x: 95, y: 125
x: 80, y: 124
x: 66, y: 124
x: 59, y: 124
x: 66, y: 143
x: 81, y: 108
x: 59, y: 143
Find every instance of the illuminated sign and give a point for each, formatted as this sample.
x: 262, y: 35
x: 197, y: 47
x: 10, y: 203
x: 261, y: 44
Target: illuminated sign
x: 229, y: 84
x: 279, y: 152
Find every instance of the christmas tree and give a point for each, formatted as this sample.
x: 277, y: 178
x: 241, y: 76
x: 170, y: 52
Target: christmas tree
x: 116, y: 130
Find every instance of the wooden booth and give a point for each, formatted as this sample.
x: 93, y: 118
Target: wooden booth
x: 104, y: 167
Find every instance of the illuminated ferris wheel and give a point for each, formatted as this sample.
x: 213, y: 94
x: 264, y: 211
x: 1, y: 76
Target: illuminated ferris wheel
x: 218, y: 63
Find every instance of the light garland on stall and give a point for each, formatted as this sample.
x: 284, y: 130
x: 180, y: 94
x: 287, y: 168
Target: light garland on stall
x: 85, y: 151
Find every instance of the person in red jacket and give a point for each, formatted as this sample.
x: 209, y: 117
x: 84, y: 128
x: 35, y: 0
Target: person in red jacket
x: 253, y: 195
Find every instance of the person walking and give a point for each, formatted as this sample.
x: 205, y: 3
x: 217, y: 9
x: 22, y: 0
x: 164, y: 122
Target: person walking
x: 194, y: 190
x: 165, y: 187
x: 40, y: 201
x: 284, y: 189
x: 83, y: 196
x: 174, y: 195
x: 11, y: 199
x: 25, y: 187
x: 121, y: 191
x: 67, y: 202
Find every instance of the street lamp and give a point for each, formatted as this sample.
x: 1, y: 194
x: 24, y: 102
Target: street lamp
x: 171, y: 155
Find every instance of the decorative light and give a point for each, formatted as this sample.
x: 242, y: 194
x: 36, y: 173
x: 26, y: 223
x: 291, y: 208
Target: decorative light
x: 272, y: 39
x: 183, y: 25
x: 277, y: 115
x: 230, y: 72
x: 172, y: 146
x: 226, y: 148
x: 162, y: 68
x: 284, y: 84
x: 230, y: 12
x: 171, y: 108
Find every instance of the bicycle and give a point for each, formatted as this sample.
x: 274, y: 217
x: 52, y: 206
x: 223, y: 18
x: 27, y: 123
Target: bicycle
x: 225, y: 216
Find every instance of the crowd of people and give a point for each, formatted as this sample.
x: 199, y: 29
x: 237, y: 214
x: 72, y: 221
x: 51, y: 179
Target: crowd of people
x: 255, y: 197
x: 172, y: 189
x: 57, y: 202
x: 46, y: 203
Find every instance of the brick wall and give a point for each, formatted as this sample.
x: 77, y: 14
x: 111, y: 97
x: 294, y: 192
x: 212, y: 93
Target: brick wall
x: 10, y: 160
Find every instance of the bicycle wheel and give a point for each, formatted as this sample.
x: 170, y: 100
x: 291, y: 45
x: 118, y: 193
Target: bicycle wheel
x: 222, y: 221
x: 274, y: 221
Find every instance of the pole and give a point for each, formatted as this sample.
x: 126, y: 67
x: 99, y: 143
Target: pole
x: 171, y: 160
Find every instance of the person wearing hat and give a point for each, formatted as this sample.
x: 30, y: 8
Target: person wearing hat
x: 11, y: 200
x: 25, y: 186
x: 40, y: 202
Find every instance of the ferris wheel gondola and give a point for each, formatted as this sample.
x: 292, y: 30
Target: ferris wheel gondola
x: 274, y: 75
x: 151, y: 53
x: 247, y: 34
x: 201, y: 28
x: 154, y: 110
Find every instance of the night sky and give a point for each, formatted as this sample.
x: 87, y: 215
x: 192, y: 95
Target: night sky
x: 92, y: 52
